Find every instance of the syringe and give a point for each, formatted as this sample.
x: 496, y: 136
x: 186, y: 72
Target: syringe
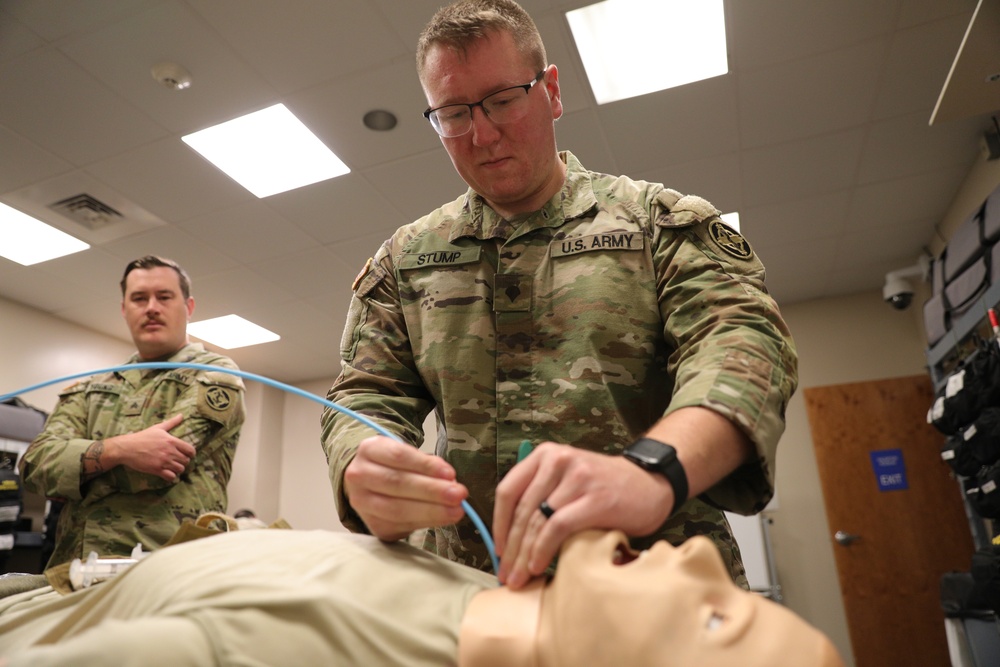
x: 84, y: 574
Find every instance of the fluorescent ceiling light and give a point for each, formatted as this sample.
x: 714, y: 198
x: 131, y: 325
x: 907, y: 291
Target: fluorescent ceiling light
x: 231, y: 331
x: 27, y: 240
x: 732, y: 219
x: 267, y: 152
x: 627, y: 53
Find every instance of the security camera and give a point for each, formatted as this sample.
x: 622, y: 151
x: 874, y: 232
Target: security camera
x: 898, y: 289
x: 897, y: 292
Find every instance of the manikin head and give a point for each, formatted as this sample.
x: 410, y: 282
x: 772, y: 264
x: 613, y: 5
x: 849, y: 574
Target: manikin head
x: 609, y: 606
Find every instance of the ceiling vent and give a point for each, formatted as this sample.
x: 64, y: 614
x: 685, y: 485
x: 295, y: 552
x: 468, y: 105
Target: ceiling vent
x: 87, y: 210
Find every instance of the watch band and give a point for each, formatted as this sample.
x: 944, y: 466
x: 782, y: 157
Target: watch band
x: 661, y: 458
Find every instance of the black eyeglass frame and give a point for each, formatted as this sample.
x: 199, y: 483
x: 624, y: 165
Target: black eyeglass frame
x: 527, y: 89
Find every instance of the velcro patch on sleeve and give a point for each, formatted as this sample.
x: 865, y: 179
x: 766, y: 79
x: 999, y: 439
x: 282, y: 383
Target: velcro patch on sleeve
x: 375, y: 275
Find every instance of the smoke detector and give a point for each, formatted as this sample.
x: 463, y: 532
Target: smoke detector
x: 172, y: 76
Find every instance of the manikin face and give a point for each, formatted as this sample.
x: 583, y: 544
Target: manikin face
x: 514, y: 165
x: 156, y: 311
x: 675, y: 606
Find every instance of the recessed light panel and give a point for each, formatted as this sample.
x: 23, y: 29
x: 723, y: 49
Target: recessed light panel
x: 267, y: 152
x: 230, y: 332
x: 627, y: 52
x: 27, y: 240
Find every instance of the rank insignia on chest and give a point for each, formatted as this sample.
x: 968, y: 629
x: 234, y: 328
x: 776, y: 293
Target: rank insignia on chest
x: 132, y: 407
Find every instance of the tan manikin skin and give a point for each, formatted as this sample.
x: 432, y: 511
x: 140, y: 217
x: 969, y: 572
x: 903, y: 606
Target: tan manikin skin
x: 609, y: 606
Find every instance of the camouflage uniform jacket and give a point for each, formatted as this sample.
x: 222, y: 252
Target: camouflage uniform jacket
x: 584, y: 323
x: 114, y: 511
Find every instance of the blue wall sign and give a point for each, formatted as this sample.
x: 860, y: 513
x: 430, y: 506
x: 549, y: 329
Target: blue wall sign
x: 890, y: 473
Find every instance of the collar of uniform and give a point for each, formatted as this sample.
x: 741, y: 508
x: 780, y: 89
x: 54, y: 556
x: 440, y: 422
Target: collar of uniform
x: 578, y: 196
x: 183, y: 355
x: 574, y: 200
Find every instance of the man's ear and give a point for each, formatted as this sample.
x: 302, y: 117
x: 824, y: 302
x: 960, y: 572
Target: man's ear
x: 190, y: 306
x: 552, y: 90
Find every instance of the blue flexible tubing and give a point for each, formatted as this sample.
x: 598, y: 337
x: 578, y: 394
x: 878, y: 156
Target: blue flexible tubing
x: 487, y: 538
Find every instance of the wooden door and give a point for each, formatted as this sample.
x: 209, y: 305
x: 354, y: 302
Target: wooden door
x: 907, y: 538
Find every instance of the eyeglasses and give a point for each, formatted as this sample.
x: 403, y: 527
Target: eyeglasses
x: 504, y: 106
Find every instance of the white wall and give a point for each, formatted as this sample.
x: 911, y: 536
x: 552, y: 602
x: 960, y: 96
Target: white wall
x: 850, y: 339
x: 306, y: 498
x: 36, y: 348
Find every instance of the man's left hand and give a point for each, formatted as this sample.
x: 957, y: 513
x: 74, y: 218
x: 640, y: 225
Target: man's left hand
x: 585, y: 490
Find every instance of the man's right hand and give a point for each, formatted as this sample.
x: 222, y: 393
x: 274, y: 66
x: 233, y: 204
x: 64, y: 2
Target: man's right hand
x: 153, y: 451
x: 396, y: 489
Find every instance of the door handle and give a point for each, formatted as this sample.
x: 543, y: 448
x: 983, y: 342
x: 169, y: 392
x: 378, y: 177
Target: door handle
x: 844, y: 538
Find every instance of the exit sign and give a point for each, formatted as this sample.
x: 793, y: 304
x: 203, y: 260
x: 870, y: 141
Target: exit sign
x: 890, y: 473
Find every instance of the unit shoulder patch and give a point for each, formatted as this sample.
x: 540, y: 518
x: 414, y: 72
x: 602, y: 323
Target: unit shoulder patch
x: 218, y: 398
x: 729, y: 240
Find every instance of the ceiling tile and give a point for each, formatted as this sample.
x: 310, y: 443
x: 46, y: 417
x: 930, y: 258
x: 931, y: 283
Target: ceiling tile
x: 800, y: 169
x: 918, y: 66
x: 52, y: 20
x: 299, y: 43
x: 337, y: 209
x: 823, y: 93
x: 673, y: 126
x: 122, y: 55
x: 307, y: 273
x: 416, y: 196
x: 34, y: 85
x: 906, y: 146
x: 765, y: 32
x: 33, y: 163
x: 251, y: 231
x: 15, y: 37
x: 197, y: 258
x: 170, y: 180
x: 335, y: 113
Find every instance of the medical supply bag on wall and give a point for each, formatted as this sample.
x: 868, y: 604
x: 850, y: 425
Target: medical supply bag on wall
x: 986, y: 576
x: 10, y: 503
x: 968, y: 390
x: 975, y: 445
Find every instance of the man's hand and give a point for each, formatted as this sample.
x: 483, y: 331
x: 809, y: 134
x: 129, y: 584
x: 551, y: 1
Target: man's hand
x: 590, y: 490
x: 396, y: 489
x: 586, y: 490
x: 153, y: 451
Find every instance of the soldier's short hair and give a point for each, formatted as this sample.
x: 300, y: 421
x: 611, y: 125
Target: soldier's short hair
x: 461, y: 23
x: 151, y: 262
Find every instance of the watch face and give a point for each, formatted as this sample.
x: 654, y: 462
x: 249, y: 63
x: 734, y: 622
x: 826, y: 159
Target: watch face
x: 651, y: 453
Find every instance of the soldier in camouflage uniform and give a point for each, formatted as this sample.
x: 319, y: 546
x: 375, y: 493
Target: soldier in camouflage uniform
x: 134, y: 453
x: 557, y: 305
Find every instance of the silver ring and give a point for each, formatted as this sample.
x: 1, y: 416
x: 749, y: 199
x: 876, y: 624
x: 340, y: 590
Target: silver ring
x: 546, y: 509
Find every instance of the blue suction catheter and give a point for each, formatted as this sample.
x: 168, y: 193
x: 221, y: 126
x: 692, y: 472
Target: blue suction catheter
x: 476, y: 520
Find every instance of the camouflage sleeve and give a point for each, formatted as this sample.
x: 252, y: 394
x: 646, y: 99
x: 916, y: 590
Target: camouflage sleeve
x: 52, y: 464
x: 733, y: 352
x: 213, y: 411
x: 378, y: 379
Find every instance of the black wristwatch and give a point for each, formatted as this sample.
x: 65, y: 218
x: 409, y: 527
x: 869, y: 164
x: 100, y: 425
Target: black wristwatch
x: 659, y: 457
